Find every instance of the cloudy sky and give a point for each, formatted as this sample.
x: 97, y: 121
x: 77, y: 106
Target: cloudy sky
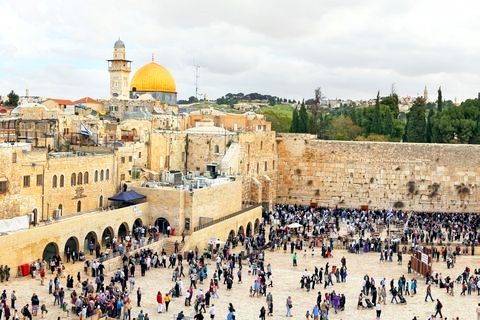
x: 350, y: 48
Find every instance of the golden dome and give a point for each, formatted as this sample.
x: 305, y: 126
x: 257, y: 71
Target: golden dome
x: 152, y: 77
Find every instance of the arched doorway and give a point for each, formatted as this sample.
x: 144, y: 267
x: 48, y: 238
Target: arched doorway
x: 107, y: 237
x: 240, y: 232
x: 162, y: 225
x: 231, y: 235
x: 70, y: 246
x: 91, y: 237
x: 137, y: 228
x: 50, y: 251
x: 122, y: 231
x: 256, y: 227
x: 249, y: 229
x: 79, y: 206
x: 100, y: 202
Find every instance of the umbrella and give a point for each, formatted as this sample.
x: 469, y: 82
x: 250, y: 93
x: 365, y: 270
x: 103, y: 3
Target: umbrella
x: 294, y: 225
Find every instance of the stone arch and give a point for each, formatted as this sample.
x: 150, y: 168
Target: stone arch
x: 231, y: 235
x: 249, y: 230
x: 50, y: 250
x: 256, y: 226
x: 136, y: 228
x: 240, y: 231
x: 162, y: 225
x: 90, y: 237
x: 72, y: 243
x: 107, y: 237
x: 122, y: 230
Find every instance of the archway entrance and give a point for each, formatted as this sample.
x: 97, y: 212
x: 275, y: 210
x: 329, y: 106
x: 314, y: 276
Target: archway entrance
x: 249, y: 229
x: 50, y: 251
x: 240, y: 232
x: 90, y: 238
x: 107, y: 237
x: 71, y: 246
x: 137, y: 228
x: 162, y: 225
x: 122, y: 231
x: 256, y: 227
x: 231, y: 235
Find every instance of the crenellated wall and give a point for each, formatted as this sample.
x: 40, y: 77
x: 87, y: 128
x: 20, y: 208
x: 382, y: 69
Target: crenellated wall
x: 428, y: 177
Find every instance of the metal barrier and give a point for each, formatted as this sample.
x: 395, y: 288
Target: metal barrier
x: 210, y: 223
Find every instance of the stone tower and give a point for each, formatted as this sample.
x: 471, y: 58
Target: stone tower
x: 119, y: 69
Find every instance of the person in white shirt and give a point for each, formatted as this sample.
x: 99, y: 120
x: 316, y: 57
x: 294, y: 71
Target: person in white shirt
x: 212, y: 311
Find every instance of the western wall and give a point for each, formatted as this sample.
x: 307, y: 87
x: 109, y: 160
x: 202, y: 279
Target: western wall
x: 407, y: 176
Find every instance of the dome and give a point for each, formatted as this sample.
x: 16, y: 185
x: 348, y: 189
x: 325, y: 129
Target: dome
x: 152, y: 77
x: 119, y: 44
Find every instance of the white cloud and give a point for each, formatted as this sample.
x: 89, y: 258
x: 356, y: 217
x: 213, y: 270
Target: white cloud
x: 285, y: 48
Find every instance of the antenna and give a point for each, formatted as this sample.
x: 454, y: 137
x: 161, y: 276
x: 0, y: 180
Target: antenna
x: 197, y: 67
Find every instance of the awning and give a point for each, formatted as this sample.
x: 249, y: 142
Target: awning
x: 129, y: 196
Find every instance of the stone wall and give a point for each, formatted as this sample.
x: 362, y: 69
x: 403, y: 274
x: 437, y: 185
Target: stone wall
x: 427, y: 177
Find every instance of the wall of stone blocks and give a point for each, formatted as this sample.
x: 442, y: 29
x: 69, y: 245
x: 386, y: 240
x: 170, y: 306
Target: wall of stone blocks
x: 426, y: 177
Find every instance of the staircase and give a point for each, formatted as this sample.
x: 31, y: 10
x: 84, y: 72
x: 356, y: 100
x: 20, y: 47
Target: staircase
x: 169, y: 245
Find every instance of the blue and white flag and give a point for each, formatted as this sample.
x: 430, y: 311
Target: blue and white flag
x: 84, y: 130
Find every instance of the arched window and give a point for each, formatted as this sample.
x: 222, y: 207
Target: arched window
x: 79, y: 206
x: 54, y: 181
x: 100, y: 202
x: 62, y: 181
x: 73, y: 180
x: 85, y: 177
x: 107, y: 174
x: 96, y: 176
x: 101, y: 175
x: 80, y: 178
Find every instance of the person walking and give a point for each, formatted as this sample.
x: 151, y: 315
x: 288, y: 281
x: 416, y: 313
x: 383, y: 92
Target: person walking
x: 159, y: 302
x: 262, y: 313
x: 429, y: 292
x: 289, y: 306
x: 212, y: 311
x: 378, y: 309
x: 438, y: 309
x: 139, y: 296
x: 166, y: 299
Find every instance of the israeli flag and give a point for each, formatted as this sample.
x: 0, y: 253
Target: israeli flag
x: 84, y: 130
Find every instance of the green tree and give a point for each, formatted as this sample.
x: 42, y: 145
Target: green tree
x: 415, y: 129
x: 294, y: 126
x: 12, y: 99
x: 439, y: 100
x: 343, y: 128
x: 303, y: 119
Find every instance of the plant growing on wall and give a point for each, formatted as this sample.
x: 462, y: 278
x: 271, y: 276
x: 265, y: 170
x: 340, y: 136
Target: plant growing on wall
x: 434, y: 188
x: 411, y: 187
x: 398, y: 205
x: 462, y: 190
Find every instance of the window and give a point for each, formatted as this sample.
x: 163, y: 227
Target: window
x: 107, y: 174
x: 62, y: 181
x: 85, y: 177
x: 122, y: 177
x: 39, y: 180
x: 130, y: 158
x: 265, y: 165
x: 122, y: 159
x: 54, y: 181
x: 139, y: 155
x: 248, y: 167
x: 216, y: 149
x: 26, y: 181
x: 3, y: 186
x: 79, y: 206
x: 258, y: 167
x: 101, y: 175
x: 100, y: 202
x: 80, y: 178
x: 96, y: 176
x: 14, y: 157
x: 73, y: 179
x: 261, y: 145
x: 273, y: 164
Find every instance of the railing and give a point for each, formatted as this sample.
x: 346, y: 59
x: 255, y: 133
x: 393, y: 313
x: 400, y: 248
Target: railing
x: 210, y: 223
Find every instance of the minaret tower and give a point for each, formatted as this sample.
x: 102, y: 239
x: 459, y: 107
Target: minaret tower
x: 425, y: 94
x: 119, y: 69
